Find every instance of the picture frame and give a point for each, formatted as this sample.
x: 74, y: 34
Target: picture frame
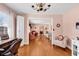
x: 58, y: 25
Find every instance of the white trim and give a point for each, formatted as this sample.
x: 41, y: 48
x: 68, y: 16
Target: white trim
x: 47, y: 18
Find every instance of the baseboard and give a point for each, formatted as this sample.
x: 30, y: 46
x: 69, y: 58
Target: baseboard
x: 69, y: 47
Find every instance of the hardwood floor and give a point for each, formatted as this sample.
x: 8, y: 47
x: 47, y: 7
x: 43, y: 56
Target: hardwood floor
x: 42, y: 47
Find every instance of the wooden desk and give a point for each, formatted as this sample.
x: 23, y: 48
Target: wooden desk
x: 4, y: 43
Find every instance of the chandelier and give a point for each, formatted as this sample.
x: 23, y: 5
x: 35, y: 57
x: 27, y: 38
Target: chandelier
x: 41, y: 7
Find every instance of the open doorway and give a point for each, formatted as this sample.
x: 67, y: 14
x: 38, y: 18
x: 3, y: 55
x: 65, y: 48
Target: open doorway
x: 40, y: 29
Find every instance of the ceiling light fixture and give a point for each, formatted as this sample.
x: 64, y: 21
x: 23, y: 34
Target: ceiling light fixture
x: 41, y: 7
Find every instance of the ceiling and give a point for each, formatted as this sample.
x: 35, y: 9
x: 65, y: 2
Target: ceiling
x: 56, y: 8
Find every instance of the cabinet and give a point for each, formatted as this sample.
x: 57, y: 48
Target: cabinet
x: 75, y: 50
x: 60, y: 43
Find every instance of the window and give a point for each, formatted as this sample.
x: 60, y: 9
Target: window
x: 6, y: 20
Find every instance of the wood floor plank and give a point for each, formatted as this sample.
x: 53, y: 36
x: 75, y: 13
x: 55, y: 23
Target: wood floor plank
x: 42, y: 47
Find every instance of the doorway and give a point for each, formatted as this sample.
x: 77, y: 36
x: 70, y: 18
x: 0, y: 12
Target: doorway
x: 40, y: 28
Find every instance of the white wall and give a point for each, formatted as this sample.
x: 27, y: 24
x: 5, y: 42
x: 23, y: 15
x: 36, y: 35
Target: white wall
x: 69, y: 20
x: 57, y: 19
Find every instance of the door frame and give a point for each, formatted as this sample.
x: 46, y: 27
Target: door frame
x: 51, y: 23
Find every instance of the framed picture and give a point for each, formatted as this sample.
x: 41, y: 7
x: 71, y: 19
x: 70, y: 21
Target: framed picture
x: 77, y: 25
x: 58, y: 25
